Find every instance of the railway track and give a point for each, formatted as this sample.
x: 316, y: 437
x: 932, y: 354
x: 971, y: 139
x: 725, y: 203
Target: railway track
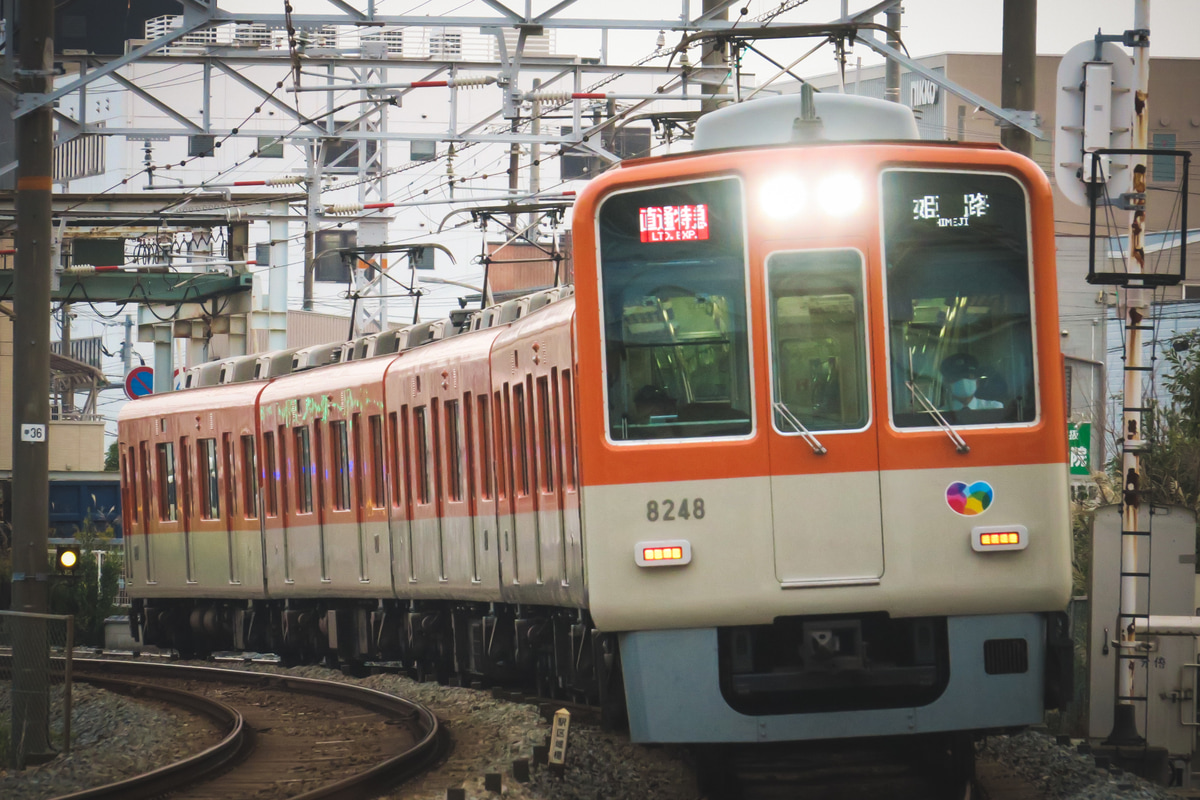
x: 837, y: 770
x: 279, y: 736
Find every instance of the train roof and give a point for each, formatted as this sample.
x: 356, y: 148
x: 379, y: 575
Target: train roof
x: 199, y: 400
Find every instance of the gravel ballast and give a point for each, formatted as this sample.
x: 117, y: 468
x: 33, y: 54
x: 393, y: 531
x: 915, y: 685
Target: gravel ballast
x: 117, y: 737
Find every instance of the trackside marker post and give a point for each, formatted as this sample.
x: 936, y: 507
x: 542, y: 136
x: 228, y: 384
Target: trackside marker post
x: 558, y: 741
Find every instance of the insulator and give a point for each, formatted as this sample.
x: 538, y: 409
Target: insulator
x: 348, y: 208
x: 233, y: 215
x: 79, y: 269
x: 470, y: 81
x: 553, y: 97
x: 290, y: 180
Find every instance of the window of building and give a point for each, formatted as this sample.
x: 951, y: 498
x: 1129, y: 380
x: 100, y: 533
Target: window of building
x: 1162, y: 168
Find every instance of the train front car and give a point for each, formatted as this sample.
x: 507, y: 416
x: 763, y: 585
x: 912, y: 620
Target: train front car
x: 823, y: 447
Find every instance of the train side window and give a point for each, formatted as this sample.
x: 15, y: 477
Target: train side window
x: 282, y: 441
x: 568, y: 406
x: 818, y: 340
x: 249, y: 477
x: 437, y: 453
x: 957, y: 265
x: 399, y: 455
x: 144, y: 466
x: 674, y: 296
x: 210, y: 491
x: 468, y: 452
x: 486, y: 466
x: 271, y: 473
x: 521, y: 445
x: 341, y: 464
x: 454, y: 454
x: 185, y: 478
x: 320, y: 471
x: 129, y: 470
x: 168, y: 509
x: 503, y: 430
x: 421, y: 454
x: 227, y: 475
x: 378, y: 486
x: 546, y: 433
x: 304, y: 470
x: 357, y: 465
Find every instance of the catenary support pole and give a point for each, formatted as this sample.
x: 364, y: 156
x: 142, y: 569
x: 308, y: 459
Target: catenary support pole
x: 1018, y: 69
x: 31, y: 389
x: 891, y: 73
x: 1136, y: 312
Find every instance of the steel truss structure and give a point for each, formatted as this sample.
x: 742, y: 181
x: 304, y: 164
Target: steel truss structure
x: 352, y: 48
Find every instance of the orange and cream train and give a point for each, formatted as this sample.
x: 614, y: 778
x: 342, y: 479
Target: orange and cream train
x: 789, y: 463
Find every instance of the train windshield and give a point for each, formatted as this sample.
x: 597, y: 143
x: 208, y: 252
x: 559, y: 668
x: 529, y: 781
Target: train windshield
x: 956, y: 249
x: 818, y: 340
x: 673, y: 283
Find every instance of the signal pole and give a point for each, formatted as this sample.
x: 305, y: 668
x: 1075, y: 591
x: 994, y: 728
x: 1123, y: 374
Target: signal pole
x: 31, y: 386
x: 1136, y: 310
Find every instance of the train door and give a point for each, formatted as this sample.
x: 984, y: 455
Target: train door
x: 528, y: 531
x: 400, y: 514
x: 185, y: 484
x: 319, y: 474
x: 506, y: 542
x: 144, y: 463
x: 482, y: 444
x: 824, y: 456
x: 547, y: 459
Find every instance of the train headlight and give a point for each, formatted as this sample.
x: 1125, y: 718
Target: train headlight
x: 664, y: 553
x: 840, y: 194
x: 781, y: 197
x: 990, y: 538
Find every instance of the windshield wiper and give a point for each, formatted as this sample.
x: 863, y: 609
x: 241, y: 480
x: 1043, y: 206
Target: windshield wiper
x: 787, y: 414
x: 959, y: 443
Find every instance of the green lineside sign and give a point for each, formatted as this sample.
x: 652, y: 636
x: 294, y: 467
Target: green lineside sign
x: 1079, y: 447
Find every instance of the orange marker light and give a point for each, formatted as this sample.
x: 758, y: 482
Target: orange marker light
x: 1005, y: 537
x: 673, y: 553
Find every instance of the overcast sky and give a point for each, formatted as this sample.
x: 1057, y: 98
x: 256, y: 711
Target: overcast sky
x: 930, y: 26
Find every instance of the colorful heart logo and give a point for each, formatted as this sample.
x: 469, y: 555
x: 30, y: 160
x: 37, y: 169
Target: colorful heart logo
x: 969, y: 500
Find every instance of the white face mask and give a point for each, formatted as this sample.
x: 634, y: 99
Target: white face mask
x: 963, y: 389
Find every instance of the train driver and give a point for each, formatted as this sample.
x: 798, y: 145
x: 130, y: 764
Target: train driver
x: 961, y: 373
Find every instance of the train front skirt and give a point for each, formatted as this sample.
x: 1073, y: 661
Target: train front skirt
x: 673, y: 688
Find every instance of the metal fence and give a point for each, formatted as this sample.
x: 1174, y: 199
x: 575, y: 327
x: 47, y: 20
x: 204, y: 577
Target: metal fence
x: 35, y: 686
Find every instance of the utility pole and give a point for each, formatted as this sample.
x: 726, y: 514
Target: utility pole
x: 891, y: 73
x: 312, y: 222
x: 1018, y: 69
x: 127, y: 345
x: 31, y: 387
x: 1136, y: 309
x: 712, y: 56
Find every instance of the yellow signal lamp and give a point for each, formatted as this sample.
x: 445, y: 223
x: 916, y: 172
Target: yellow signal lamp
x: 68, y: 558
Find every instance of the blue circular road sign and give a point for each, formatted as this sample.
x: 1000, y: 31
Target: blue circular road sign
x: 139, y: 382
